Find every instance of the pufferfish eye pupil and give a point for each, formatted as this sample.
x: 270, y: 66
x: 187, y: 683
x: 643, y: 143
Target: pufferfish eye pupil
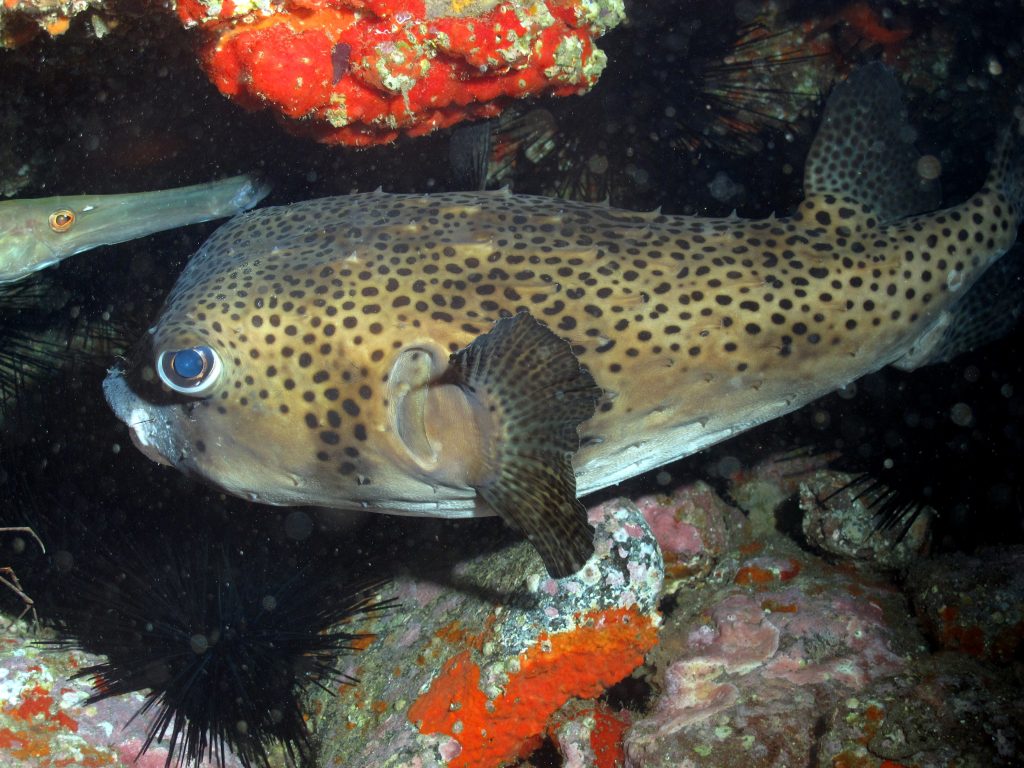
x: 191, y: 371
x: 188, y: 364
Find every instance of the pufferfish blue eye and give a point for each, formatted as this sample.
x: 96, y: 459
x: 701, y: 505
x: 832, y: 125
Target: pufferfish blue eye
x: 191, y: 371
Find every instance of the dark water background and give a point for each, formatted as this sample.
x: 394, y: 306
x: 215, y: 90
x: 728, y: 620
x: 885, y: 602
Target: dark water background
x: 133, y: 112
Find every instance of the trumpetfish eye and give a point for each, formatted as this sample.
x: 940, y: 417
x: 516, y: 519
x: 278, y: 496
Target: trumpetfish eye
x: 190, y: 371
x: 61, y: 221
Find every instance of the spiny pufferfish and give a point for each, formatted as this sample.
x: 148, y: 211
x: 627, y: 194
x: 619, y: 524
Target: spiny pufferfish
x: 467, y: 354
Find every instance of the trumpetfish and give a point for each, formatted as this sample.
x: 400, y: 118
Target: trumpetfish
x: 480, y: 353
x: 40, y: 232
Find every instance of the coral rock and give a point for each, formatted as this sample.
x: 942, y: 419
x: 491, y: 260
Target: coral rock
x: 694, y: 528
x: 750, y: 671
x: 23, y: 20
x: 974, y: 605
x: 590, y: 735
x: 839, y: 519
x: 474, y: 674
x: 363, y: 72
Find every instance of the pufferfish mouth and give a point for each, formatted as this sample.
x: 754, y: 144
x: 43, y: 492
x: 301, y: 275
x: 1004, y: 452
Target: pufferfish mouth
x: 139, y: 438
x: 150, y: 427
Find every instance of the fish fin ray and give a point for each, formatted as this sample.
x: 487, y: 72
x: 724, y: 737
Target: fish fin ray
x: 539, y: 394
x: 864, y: 149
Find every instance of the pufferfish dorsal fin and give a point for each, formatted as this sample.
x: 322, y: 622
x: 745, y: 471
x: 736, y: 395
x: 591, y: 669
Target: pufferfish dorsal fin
x: 864, y: 149
x: 538, y: 394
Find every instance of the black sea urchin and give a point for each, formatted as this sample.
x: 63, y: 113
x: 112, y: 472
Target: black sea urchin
x: 227, y: 639
x: 45, y: 328
x: 690, y: 92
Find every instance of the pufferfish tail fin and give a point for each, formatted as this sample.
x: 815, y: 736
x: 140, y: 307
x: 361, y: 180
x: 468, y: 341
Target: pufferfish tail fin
x: 536, y: 395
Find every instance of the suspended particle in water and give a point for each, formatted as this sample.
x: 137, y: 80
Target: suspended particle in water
x: 961, y: 415
x: 929, y: 167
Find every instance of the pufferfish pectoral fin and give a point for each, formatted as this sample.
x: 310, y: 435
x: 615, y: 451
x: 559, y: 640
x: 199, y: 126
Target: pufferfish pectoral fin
x: 536, y: 394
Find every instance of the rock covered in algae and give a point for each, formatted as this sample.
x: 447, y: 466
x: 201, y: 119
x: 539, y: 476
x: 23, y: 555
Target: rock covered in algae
x: 361, y: 72
x: 772, y: 657
x: 45, y: 721
x: 750, y: 668
x: 474, y: 673
x: 841, y: 517
x: 972, y: 604
x: 944, y: 710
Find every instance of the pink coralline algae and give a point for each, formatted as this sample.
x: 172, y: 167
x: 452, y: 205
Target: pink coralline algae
x: 748, y: 675
x: 694, y: 528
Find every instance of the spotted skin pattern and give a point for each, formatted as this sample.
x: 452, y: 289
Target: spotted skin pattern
x: 331, y: 315
x: 661, y: 309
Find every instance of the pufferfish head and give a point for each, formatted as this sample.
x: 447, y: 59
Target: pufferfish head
x: 283, y: 405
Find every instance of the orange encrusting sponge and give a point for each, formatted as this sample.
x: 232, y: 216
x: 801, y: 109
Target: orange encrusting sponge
x: 362, y: 72
x: 605, y: 647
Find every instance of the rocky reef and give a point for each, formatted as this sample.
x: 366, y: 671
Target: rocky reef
x: 755, y: 652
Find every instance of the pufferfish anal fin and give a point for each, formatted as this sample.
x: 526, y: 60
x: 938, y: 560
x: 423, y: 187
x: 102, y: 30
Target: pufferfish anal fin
x: 536, y: 395
x: 864, y: 149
